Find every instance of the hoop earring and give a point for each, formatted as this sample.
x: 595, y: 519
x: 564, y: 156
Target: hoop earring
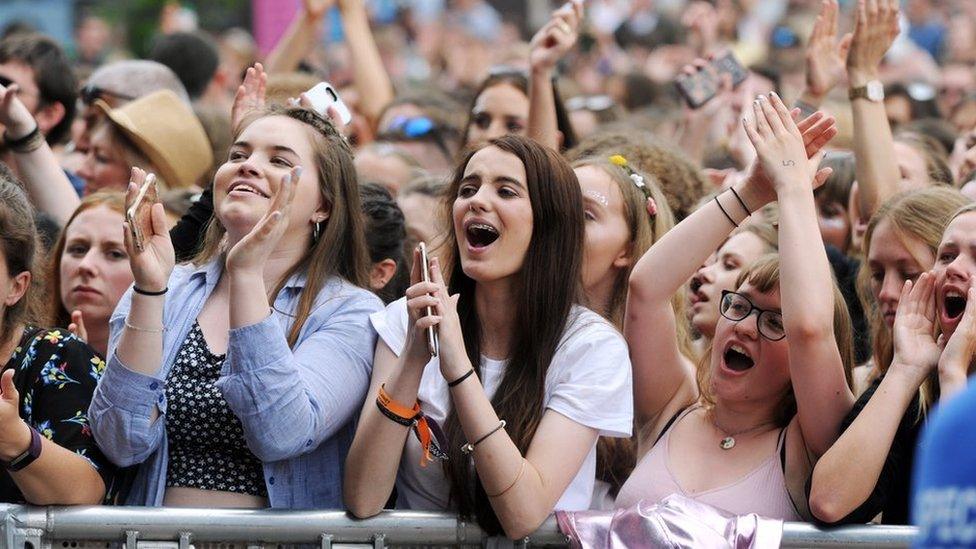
x: 316, y: 231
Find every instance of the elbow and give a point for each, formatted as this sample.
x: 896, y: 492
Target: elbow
x: 359, y: 504
x: 524, y: 525
x: 825, y: 508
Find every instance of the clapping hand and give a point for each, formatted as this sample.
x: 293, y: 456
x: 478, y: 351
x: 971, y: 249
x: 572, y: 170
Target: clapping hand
x: 250, y: 253
x: 557, y: 37
x: 152, y: 265
x: 914, y: 328
x: 250, y: 95
x: 875, y: 29
x: 825, y: 56
x: 77, y: 326
x: 15, y: 436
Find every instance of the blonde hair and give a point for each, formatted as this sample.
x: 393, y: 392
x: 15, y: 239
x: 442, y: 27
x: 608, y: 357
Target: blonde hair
x: 763, y: 274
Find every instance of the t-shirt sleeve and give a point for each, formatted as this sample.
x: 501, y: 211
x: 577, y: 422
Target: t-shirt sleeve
x: 590, y: 380
x: 391, y: 325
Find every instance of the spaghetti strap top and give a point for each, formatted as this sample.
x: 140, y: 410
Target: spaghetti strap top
x: 761, y: 491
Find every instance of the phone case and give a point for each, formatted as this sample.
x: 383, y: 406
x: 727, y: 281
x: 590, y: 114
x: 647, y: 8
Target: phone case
x: 697, y: 89
x: 139, y: 215
x: 432, y: 343
x: 728, y: 64
x: 323, y: 96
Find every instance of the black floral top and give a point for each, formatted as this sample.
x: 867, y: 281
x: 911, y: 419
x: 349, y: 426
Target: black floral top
x: 56, y: 374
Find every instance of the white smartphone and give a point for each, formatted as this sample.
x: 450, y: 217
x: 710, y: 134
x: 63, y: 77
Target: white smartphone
x: 323, y: 96
x: 432, y: 343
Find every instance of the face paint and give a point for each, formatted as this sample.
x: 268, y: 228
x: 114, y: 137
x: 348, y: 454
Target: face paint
x: 597, y: 197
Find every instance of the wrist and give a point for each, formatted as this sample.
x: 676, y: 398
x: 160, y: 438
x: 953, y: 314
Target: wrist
x: 17, y: 131
x: 911, y: 374
x: 750, y: 195
x: 859, y: 77
x: 541, y: 70
x: 811, y: 98
x: 16, y: 442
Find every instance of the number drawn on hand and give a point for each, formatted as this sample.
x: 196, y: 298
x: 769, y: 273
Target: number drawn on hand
x: 789, y: 163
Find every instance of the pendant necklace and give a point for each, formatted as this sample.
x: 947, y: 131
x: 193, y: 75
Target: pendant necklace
x: 728, y: 442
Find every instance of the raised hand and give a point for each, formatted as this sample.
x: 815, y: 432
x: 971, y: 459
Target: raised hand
x: 875, y: 29
x: 77, y: 326
x: 152, y: 265
x: 960, y: 349
x: 13, y: 114
x: 826, y: 57
x: 315, y: 9
x: 420, y: 297
x: 15, y: 436
x: 557, y: 37
x: 453, y: 356
x: 250, y: 94
x: 250, y: 253
x: 914, y: 329
x: 782, y: 150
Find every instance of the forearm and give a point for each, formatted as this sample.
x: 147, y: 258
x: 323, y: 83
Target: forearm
x: 376, y: 451
x: 846, y: 475
x: 668, y: 265
x: 659, y: 367
x: 369, y: 75
x: 294, y: 45
x: 46, y: 183
x: 542, y: 124
x: 59, y: 477
x: 140, y: 346
x: 874, y: 150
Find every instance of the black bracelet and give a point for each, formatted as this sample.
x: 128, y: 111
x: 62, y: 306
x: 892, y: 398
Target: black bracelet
x: 469, y: 447
x: 727, y: 216
x: 13, y: 143
x: 458, y: 381
x: 140, y: 291
x: 739, y: 198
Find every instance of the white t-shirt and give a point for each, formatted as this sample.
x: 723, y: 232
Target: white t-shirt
x: 588, y: 381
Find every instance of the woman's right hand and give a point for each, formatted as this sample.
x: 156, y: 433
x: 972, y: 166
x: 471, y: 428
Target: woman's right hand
x: 152, y: 265
x: 14, y: 115
x: 250, y: 95
x: 875, y: 29
x: 916, y: 348
x: 420, y: 296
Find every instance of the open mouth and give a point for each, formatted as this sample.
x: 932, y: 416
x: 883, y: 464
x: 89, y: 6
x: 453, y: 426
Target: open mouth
x: 481, y: 235
x: 955, y: 304
x: 737, y: 359
x: 246, y: 188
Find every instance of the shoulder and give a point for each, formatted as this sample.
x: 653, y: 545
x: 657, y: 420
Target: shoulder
x: 71, y: 352
x: 338, y: 295
x: 390, y: 324
x: 587, y: 330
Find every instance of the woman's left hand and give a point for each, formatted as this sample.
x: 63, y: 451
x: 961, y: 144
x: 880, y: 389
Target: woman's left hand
x: 452, y: 354
x: 557, y: 37
x: 960, y: 349
x: 251, y: 252
x: 780, y: 146
x: 14, y: 434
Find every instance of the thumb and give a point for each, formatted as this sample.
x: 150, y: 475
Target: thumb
x: 454, y: 299
x: 845, y: 45
x: 7, y: 389
x: 821, y: 177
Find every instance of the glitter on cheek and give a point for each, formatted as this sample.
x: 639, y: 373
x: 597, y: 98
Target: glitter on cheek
x: 597, y: 197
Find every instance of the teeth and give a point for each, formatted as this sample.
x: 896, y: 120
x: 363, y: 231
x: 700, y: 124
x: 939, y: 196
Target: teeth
x: 483, y: 227
x: 954, y: 293
x: 248, y: 188
x: 739, y: 349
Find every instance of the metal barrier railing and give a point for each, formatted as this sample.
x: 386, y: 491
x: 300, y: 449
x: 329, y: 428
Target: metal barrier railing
x: 23, y: 527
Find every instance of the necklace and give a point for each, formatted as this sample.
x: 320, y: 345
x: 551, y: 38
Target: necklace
x: 728, y: 442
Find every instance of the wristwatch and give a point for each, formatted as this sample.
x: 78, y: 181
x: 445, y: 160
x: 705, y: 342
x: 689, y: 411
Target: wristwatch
x: 872, y: 91
x: 30, y: 454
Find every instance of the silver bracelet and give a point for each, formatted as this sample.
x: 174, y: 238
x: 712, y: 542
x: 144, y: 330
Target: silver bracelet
x: 147, y: 330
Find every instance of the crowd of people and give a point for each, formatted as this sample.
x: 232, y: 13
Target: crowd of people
x: 719, y: 249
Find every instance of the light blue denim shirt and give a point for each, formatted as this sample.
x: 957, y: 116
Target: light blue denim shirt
x: 298, y: 406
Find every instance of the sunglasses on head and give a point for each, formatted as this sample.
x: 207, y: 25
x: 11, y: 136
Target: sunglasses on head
x: 417, y: 128
x: 90, y: 92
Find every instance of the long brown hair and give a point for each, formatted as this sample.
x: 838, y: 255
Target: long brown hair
x: 57, y: 315
x: 547, y: 287
x: 341, y: 249
x: 763, y: 275
x: 19, y: 243
x: 920, y: 215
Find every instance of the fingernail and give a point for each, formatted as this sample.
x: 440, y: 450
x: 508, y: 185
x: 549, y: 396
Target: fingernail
x: 773, y: 94
x: 286, y: 179
x: 298, y: 172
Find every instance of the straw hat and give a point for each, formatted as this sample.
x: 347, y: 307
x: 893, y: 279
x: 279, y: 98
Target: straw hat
x: 168, y: 133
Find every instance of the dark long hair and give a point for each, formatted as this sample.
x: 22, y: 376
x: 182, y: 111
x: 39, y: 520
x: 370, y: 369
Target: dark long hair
x: 518, y: 79
x: 547, y: 287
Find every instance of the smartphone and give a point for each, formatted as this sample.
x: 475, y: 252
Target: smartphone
x: 139, y: 214
x: 432, y: 343
x: 701, y: 87
x: 323, y: 96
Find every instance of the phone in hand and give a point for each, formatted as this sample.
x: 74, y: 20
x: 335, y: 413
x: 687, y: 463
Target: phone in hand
x: 323, y: 96
x: 701, y: 87
x: 139, y: 214
x: 432, y: 343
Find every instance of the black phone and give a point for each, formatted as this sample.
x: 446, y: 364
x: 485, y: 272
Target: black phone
x: 699, y: 88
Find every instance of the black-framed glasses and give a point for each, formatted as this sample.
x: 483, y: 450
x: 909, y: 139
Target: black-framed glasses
x: 737, y: 307
x: 90, y: 93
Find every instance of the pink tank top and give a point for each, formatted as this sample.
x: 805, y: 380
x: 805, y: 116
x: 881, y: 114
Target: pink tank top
x: 761, y: 491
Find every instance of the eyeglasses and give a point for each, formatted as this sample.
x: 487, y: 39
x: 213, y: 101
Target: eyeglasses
x: 737, y: 307
x: 90, y: 93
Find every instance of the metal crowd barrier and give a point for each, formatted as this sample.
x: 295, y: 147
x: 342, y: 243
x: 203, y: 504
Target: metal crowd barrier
x: 23, y: 527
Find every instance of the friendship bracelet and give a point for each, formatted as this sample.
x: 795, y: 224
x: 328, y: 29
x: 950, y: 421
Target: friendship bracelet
x: 514, y: 482
x: 140, y: 291
x: 469, y: 447
x: 147, y: 330
x: 727, y: 216
x: 28, y: 143
x: 458, y: 381
x: 415, y: 419
x: 739, y: 198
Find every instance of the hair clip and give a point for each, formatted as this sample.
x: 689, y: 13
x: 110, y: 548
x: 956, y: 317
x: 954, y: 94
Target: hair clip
x: 638, y: 179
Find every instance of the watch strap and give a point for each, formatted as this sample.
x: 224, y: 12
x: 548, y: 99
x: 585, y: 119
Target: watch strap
x: 858, y: 93
x: 30, y: 454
